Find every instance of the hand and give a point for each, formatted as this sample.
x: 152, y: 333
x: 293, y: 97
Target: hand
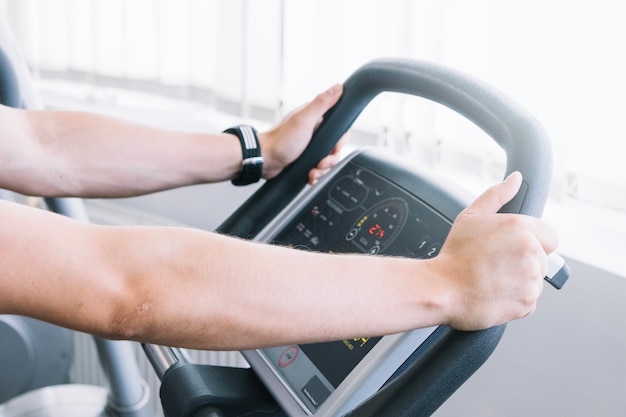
x: 494, y: 263
x: 284, y: 143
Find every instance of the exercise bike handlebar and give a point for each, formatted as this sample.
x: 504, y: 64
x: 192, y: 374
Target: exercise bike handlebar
x: 527, y: 150
x: 514, y: 129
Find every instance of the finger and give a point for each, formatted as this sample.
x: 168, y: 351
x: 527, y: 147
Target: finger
x: 328, y: 161
x: 340, y: 144
x: 322, y: 102
x: 497, y: 195
x: 547, y: 237
x: 328, y: 98
x: 315, y: 174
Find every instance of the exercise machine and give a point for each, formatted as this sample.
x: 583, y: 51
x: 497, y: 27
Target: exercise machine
x: 375, y: 204
x: 370, y: 203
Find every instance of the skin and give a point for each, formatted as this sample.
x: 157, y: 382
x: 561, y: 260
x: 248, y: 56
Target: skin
x: 61, y: 153
x: 190, y: 288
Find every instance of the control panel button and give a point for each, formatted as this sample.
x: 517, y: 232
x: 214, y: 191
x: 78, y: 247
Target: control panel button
x: 374, y: 250
x: 288, y: 356
x: 348, y: 193
x: 432, y: 250
x: 352, y: 234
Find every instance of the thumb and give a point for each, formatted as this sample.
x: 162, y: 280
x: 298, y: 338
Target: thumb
x: 497, y: 195
x: 322, y: 103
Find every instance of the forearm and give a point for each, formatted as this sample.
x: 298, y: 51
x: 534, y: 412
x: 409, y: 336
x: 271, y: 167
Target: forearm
x: 208, y: 291
x: 57, y: 153
x: 190, y: 288
x: 81, y: 154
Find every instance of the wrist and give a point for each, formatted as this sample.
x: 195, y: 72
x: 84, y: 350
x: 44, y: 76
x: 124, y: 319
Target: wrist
x: 270, y: 166
x: 428, y: 295
x: 413, y: 291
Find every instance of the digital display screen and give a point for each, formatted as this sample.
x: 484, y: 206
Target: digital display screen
x: 337, y: 359
x: 359, y: 212
x: 377, y: 231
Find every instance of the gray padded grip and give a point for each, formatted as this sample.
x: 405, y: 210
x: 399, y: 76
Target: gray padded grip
x: 514, y: 129
x: 522, y: 137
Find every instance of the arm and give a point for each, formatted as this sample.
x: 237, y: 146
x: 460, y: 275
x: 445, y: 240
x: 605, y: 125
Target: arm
x: 195, y: 289
x: 58, y: 153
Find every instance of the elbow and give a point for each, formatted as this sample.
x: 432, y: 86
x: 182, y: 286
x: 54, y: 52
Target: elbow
x: 125, y: 308
x: 130, y: 317
x: 125, y: 324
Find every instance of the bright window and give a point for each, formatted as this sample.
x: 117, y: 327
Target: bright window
x: 561, y: 59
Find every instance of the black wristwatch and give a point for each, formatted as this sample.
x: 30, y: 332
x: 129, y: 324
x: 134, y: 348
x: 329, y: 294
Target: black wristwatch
x: 252, y: 164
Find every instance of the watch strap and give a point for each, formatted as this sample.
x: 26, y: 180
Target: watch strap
x: 252, y: 162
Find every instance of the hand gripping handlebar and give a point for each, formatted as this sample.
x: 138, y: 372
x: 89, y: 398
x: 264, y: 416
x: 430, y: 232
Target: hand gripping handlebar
x: 522, y: 137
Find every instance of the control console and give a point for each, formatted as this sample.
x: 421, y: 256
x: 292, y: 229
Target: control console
x: 373, y: 206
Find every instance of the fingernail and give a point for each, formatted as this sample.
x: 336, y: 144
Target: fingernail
x: 511, y: 175
x: 333, y: 90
